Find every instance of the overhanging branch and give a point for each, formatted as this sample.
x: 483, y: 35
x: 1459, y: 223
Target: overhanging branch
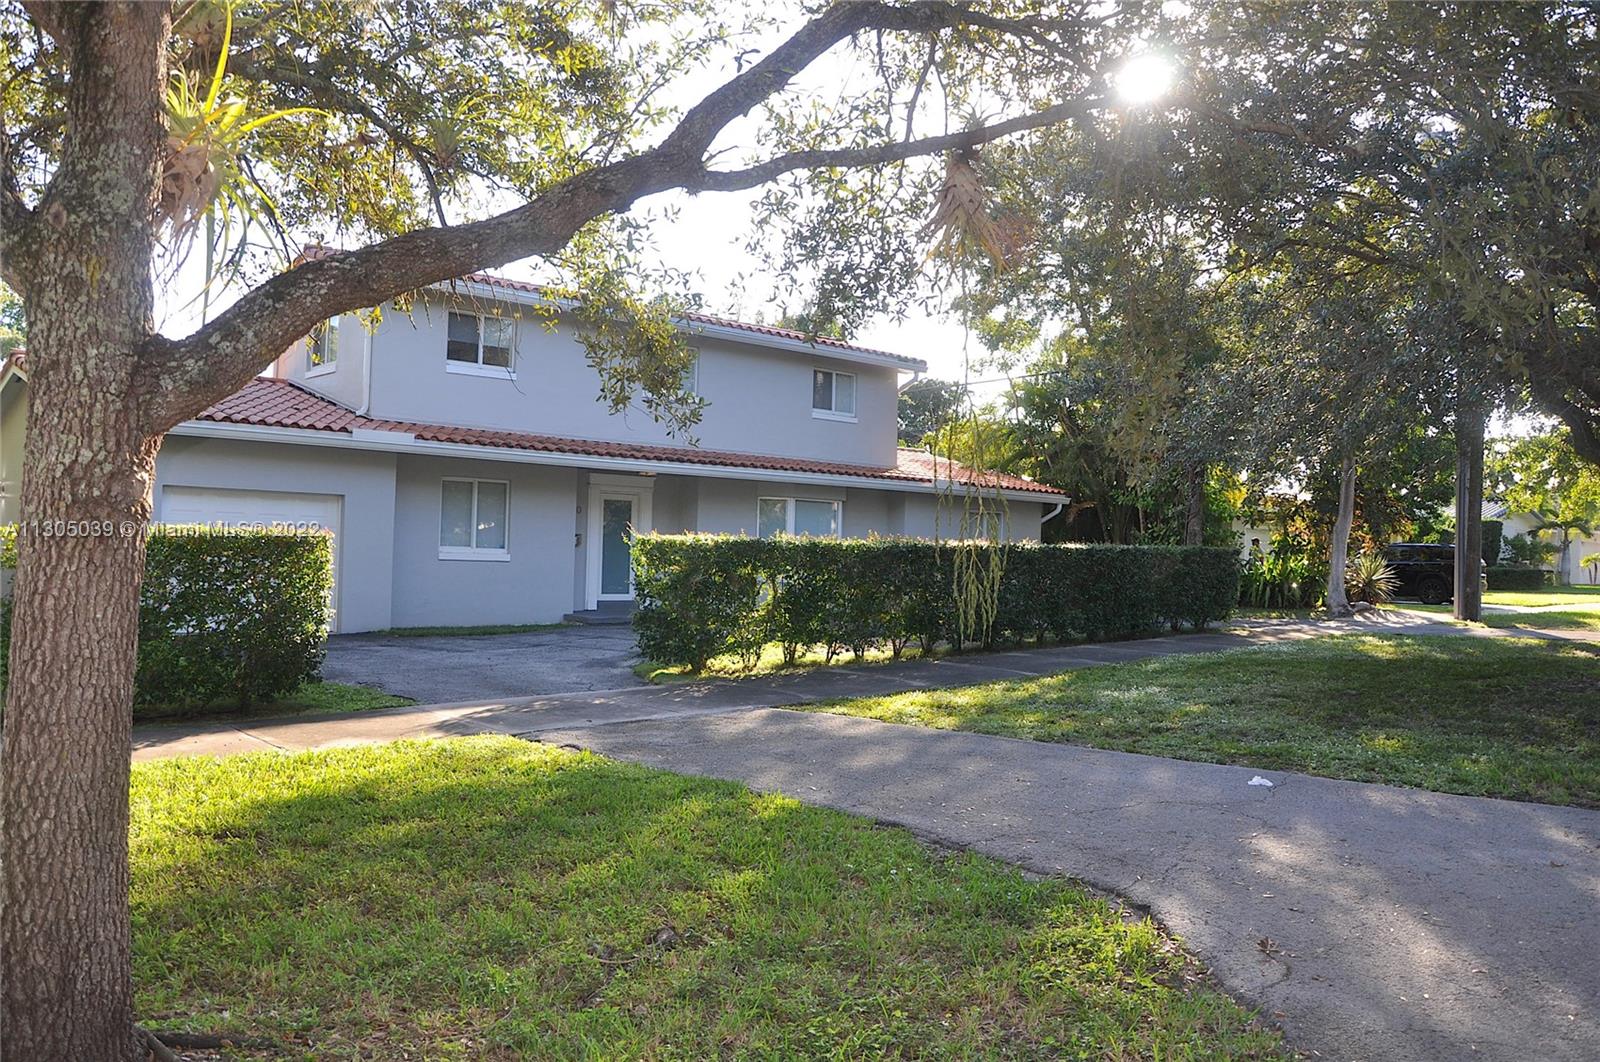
x: 184, y: 376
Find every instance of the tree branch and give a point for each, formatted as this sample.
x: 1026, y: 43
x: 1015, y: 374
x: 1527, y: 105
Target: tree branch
x: 182, y: 377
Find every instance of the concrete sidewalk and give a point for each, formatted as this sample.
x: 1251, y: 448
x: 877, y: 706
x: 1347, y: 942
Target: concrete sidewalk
x: 1371, y: 922
x: 533, y: 715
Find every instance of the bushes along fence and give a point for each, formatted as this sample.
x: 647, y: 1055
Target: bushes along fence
x: 1510, y: 577
x: 704, y: 596
x: 239, y: 616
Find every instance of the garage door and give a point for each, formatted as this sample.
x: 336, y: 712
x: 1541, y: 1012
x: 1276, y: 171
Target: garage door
x: 243, y: 508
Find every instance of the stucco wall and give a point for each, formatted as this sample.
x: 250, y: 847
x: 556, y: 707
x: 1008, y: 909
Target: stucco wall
x: 364, y: 480
x: 535, y: 585
x: 13, y: 429
x: 345, y: 383
x: 758, y: 400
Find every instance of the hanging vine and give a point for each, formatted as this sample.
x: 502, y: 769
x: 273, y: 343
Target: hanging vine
x: 965, y: 228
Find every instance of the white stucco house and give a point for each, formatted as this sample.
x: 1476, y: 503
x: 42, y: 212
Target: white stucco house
x: 469, y: 474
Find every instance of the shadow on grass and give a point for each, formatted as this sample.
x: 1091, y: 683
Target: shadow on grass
x: 486, y: 897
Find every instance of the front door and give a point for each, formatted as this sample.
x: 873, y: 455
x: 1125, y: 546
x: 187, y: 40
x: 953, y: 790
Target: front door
x: 618, y: 507
x: 616, y: 555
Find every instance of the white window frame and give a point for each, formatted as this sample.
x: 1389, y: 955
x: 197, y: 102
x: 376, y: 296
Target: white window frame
x: 318, y: 337
x: 789, y: 508
x: 834, y: 414
x: 691, y: 378
x: 478, y: 368
x: 474, y: 552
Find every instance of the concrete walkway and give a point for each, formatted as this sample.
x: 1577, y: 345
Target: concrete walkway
x: 1370, y: 922
x: 533, y: 715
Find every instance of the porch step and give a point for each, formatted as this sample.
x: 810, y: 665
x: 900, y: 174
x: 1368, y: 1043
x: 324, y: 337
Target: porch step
x: 609, y: 614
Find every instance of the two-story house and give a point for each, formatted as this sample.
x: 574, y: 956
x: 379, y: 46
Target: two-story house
x: 460, y: 456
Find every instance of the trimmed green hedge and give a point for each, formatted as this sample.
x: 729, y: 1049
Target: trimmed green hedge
x: 704, y: 596
x: 235, y: 616
x: 1509, y: 577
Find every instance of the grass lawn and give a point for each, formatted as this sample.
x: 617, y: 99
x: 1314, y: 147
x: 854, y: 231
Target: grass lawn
x: 1581, y: 619
x: 1576, y: 596
x: 311, y: 697
x: 770, y: 662
x: 1503, y: 717
x: 469, y: 632
x: 491, y: 898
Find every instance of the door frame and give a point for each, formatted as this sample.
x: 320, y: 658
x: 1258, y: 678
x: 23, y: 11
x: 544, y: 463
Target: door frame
x: 637, y: 489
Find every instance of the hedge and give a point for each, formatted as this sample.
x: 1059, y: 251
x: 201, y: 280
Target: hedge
x: 236, y: 616
x: 1511, y: 577
x: 703, y: 596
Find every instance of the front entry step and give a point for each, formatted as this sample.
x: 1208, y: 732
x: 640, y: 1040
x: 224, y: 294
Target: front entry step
x: 608, y: 614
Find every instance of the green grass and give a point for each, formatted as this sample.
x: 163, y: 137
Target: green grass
x: 1503, y: 717
x: 1582, y: 597
x: 770, y: 662
x: 311, y: 697
x: 1584, y: 619
x: 470, y: 632
x: 491, y: 898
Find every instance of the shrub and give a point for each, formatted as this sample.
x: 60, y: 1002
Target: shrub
x: 1368, y: 577
x: 1511, y: 577
x: 1494, y: 533
x: 703, y: 596
x: 224, y: 615
x: 1283, y: 579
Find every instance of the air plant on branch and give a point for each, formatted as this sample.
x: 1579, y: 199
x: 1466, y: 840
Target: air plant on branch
x: 204, y: 174
x: 961, y: 217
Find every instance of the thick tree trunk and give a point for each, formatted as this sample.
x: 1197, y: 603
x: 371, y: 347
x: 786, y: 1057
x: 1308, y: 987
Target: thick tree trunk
x: 1194, y: 523
x: 87, y: 469
x: 1470, y: 420
x: 1339, y: 550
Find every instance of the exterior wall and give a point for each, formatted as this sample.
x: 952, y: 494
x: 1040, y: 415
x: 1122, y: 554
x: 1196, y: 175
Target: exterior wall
x: 345, y: 382
x: 536, y: 583
x: 13, y: 431
x: 758, y: 400
x: 364, y: 480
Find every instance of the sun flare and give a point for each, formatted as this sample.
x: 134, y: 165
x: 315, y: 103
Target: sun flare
x: 1144, y: 78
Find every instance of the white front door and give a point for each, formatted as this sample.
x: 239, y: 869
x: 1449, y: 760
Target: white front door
x: 618, y: 506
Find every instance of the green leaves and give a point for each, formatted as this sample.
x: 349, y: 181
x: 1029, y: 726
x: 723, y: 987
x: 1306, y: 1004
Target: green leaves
x: 706, y: 596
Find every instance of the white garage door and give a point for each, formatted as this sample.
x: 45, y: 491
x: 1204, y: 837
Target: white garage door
x: 242, y: 508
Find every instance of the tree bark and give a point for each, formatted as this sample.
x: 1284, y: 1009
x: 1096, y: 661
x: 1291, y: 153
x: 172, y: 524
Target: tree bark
x: 88, y: 464
x: 1194, y: 524
x: 1470, y: 420
x: 1339, y: 549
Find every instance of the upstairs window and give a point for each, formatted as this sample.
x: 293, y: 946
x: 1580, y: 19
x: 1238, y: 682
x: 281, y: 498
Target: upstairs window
x: 833, y: 395
x: 322, y: 347
x: 797, y: 516
x: 480, y: 343
x: 472, y: 519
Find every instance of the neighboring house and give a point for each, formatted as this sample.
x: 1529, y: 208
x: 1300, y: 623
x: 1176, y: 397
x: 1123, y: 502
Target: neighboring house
x: 13, y: 416
x: 470, y: 476
x: 1565, y: 568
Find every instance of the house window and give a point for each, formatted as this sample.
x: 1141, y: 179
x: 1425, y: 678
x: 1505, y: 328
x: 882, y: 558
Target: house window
x: 472, y: 519
x: 480, y: 344
x: 833, y: 395
x: 797, y: 516
x: 322, y: 348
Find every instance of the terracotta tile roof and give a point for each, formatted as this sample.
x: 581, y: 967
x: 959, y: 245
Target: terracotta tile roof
x: 274, y: 403
x: 530, y: 288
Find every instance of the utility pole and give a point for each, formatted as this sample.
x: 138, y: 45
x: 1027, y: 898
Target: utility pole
x: 1471, y: 416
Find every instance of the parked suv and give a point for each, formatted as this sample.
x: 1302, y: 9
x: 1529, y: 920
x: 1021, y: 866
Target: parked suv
x: 1424, y: 571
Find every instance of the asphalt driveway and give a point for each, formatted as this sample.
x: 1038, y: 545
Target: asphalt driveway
x: 1371, y: 922
x: 486, y: 667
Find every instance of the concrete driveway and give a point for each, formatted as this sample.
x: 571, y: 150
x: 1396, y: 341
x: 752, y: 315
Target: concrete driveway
x: 485, y: 667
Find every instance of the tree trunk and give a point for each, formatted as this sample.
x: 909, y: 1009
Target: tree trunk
x: 1339, y: 549
x: 1470, y: 420
x: 1194, y: 524
x: 87, y: 470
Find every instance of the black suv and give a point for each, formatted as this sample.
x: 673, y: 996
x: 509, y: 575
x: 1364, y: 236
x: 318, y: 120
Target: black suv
x: 1423, y: 570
